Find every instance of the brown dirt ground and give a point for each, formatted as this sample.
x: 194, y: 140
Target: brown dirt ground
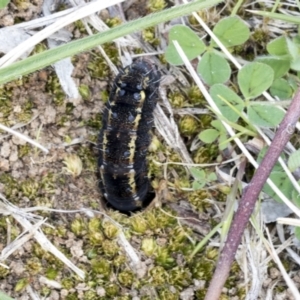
x: 30, y: 178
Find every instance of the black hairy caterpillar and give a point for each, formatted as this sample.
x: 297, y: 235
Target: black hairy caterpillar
x: 125, y: 137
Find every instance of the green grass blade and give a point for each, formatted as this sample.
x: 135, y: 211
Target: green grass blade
x: 282, y: 17
x: 51, y: 56
x: 4, y: 296
x: 205, y: 240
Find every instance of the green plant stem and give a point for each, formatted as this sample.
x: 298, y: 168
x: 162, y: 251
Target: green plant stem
x: 205, y: 240
x: 236, y: 8
x: 282, y: 17
x: 275, y: 6
x: 250, y: 197
x: 51, y: 56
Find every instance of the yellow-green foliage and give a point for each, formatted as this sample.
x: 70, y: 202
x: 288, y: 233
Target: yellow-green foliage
x: 156, y: 5
x: 149, y: 36
x: 198, y: 199
x: 53, y: 87
x: 177, y: 99
x: 113, y: 22
x: 206, y: 154
x: 98, y: 67
x: 188, y: 125
x: 194, y: 96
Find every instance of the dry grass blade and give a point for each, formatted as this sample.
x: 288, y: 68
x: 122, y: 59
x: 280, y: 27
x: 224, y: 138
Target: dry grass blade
x: 82, y: 12
x: 19, y: 241
x: 285, y: 275
x: 255, y: 245
x: 292, y: 253
x: 25, y: 219
x: 288, y: 221
x: 135, y: 261
x: 169, y: 131
x: 24, y: 137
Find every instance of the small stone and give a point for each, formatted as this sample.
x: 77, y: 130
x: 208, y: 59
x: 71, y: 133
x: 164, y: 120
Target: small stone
x: 5, y: 149
x: 17, y: 268
x: 17, y: 109
x: 54, y: 295
x: 274, y: 273
x: 13, y: 156
x: 50, y: 115
x: 187, y: 294
x: 7, y: 20
x: 18, y: 141
x: 64, y: 293
x: 100, y: 291
x: 4, y: 165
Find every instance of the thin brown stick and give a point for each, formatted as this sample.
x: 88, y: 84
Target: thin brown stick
x: 250, y: 197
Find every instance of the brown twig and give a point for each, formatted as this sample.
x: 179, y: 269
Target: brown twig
x: 250, y: 196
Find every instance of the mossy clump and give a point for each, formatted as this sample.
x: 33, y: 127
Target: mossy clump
x: 39, y: 48
x: 101, y: 266
x: 53, y: 87
x: 126, y: 278
x: 95, y: 235
x: 79, y: 227
x: 38, y: 190
x: 113, y: 22
x: 179, y: 242
x: 139, y: 224
x: 206, y: 154
x: 158, y: 276
x: 156, y: 5
x: 205, y: 121
x: 110, y: 248
x: 112, y: 289
x: 10, y: 184
x: 149, y: 36
x: 51, y: 273
x: 149, y: 246
x: 91, y: 295
x: 98, y: 67
x: 72, y: 296
x: 73, y: 165
x: 24, y: 150
x: 188, y: 125
x: 177, y: 99
x: 232, y: 279
x: 119, y: 261
x: 195, y: 97
x: 164, y: 258
x: 29, y: 188
x: 80, y: 27
x: 167, y: 294
x: 95, y: 122
x: 202, y: 268
x: 4, y: 272
x: 34, y: 266
x: 85, y: 92
x: 110, y: 230
x: 261, y: 37
x: 198, y: 199
x: 87, y: 157
x: 6, y: 107
x: 180, y: 277
x: 67, y: 283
